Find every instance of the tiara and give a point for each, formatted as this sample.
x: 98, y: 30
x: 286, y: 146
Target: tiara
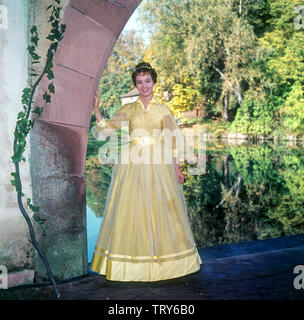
x: 143, y: 67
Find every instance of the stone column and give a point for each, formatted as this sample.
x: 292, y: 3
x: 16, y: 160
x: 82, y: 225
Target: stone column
x: 59, y: 136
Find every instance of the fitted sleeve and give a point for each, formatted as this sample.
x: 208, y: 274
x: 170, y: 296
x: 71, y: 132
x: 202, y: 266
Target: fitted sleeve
x: 111, y: 125
x: 174, y: 140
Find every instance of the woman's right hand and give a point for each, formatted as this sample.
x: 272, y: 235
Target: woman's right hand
x: 96, y: 100
x: 98, y: 115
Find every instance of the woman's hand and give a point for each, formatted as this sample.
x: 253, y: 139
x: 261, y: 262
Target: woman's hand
x: 96, y: 106
x: 179, y: 174
x: 96, y: 100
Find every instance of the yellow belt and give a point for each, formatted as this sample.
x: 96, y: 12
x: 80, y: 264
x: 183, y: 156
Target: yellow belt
x: 143, y: 140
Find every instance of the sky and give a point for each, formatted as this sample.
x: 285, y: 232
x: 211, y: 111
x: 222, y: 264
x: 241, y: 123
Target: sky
x: 134, y: 24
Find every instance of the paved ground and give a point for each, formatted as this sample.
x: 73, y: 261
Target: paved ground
x: 262, y: 270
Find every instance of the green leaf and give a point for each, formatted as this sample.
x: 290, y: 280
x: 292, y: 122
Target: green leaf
x: 54, y: 48
x: 14, y: 181
x: 37, y: 110
x: 27, y: 90
x: 17, y: 157
x: 33, y: 29
x: 20, y: 115
x: 49, y: 63
x: 36, y: 56
x: 51, y: 87
x: 41, y: 222
x: 52, y: 18
x: 47, y: 97
x: 35, y: 40
x: 32, y: 121
x: 55, y: 24
x: 34, y: 208
x: 50, y: 74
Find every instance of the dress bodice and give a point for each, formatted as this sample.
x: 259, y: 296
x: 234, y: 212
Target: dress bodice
x: 156, y: 121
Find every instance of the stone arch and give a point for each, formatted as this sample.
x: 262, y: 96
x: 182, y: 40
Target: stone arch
x: 59, y: 137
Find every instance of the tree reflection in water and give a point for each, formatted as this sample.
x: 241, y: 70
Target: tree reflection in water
x: 248, y: 192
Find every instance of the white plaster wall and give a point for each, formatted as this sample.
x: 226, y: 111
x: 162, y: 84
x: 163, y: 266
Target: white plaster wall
x: 15, y: 249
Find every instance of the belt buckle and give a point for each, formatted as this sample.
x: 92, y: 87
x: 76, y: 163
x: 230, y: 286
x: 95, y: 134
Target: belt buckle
x: 145, y: 140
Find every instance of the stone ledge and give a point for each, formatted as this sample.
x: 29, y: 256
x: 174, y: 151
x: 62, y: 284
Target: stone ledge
x: 20, y: 277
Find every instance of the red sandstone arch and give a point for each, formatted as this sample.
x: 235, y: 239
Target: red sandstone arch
x: 59, y: 137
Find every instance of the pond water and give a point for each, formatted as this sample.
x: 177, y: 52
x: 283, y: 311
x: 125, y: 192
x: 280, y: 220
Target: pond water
x: 247, y: 192
x: 93, y: 226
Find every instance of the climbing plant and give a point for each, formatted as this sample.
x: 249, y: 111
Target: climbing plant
x: 25, y: 122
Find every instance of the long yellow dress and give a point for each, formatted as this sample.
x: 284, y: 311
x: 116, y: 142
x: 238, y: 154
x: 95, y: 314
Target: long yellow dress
x: 145, y: 233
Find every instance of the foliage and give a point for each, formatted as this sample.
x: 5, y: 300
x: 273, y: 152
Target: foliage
x: 278, y: 178
x: 249, y: 51
x: 255, y: 116
x: 201, y: 193
x: 292, y: 109
x: 188, y: 42
x: 24, y: 123
x: 283, y: 67
x: 289, y: 210
x: 248, y: 192
x: 185, y: 97
x: 116, y: 80
x: 98, y: 179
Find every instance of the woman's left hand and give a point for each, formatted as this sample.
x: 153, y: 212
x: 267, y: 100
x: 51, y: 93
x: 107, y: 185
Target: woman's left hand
x: 179, y: 174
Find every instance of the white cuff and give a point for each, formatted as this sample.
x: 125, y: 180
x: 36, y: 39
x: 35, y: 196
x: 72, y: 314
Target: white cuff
x: 102, y: 123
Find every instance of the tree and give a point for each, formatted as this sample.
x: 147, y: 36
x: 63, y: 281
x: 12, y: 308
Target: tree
x: 185, y: 97
x: 285, y: 44
x: 116, y: 80
x: 200, y: 40
x: 281, y: 105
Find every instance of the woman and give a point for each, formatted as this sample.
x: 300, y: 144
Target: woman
x: 145, y: 233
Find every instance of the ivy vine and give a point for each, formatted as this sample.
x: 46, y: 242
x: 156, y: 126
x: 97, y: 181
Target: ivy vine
x: 25, y: 123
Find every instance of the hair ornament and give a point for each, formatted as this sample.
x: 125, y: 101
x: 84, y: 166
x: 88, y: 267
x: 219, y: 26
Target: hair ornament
x: 143, y: 67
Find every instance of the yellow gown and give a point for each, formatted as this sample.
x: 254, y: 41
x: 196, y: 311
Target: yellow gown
x: 145, y: 233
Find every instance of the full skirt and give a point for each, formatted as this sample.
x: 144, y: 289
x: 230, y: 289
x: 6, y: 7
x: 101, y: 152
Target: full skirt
x: 145, y: 233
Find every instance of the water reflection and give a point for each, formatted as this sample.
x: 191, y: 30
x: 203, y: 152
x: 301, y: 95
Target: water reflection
x: 93, y: 226
x: 248, y: 192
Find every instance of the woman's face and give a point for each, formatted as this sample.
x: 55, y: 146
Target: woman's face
x: 144, y: 84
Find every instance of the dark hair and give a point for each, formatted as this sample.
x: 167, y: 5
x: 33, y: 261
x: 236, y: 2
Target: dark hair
x: 144, y: 67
